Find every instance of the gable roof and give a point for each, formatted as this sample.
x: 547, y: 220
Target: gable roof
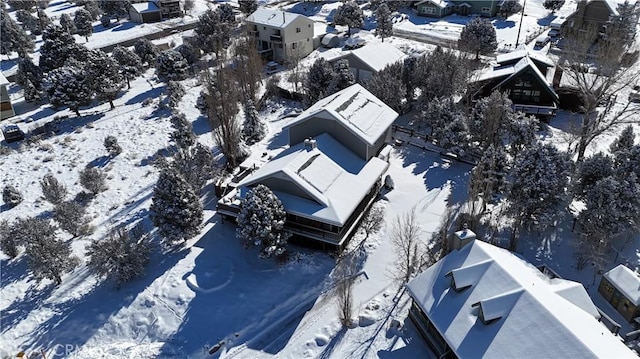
x: 626, y: 281
x: 378, y: 56
x: 143, y: 7
x: 439, y: 3
x: 336, y: 178
x: 511, y: 310
x: 524, y: 52
x: 520, y: 67
x: 271, y: 17
x: 357, y: 109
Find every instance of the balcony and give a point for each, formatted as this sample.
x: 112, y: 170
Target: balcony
x: 275, y: 38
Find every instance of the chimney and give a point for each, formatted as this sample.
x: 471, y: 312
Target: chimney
x: 463, y: 237
x: 310, y: 144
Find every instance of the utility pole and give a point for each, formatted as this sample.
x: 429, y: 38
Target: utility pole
x: 520, y: 25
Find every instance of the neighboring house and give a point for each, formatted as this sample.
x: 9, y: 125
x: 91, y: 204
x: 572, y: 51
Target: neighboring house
x: 280, y: 35
x: 524, y: 78
x: 6, y: 107
x: 593, y: 13
x: 482, y: 301
x: 145, y: 12
x: 440, y: 8
x: 169, y: 8
x: 332, y: 171
x: 621, y: 287
x: 369, y: 59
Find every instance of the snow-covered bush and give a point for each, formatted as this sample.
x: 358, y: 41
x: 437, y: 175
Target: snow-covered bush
x: 174, y: 93
x: 261, y: 222
x: 11, y: 196
x: 71, y: 217
x: 189, y: 53
x: 105, y: 20
x: 122, y: 256
x: 171, y: 65
x: 52, y: 190
x: 112, y: 146
x: 182, y: 133
x: 175, y: 209
x: 9, y: 243
x: 93, y: 180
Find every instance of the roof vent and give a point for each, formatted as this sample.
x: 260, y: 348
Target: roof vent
x: 310, y: 144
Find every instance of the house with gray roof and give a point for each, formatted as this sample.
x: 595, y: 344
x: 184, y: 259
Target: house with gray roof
x: 621, y: 288
x: 369, y: 59
x: 441, y: 8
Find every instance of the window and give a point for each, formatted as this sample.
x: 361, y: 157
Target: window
x: 485, y: 9
x: 264, y: 27
x: 294, y: 45
x: 298, y: 29
x: 428, y: 10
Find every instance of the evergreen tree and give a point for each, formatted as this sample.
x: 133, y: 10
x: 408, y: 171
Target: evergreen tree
x: 122, y: 256
x: 111, y: 145
x: 93, y: 180
x: 522, y: 132
x: 590, y: 171
x: 213, y: 32
x: 188, y: 52
x: 29, y: 76
x: 491, y: 119
x: 387, y: 85
x: 21, y: 4
x: 47, y: 256
x: 114, y: 8
x: 479, y: 37
x: 130, y: 63
x: 349, y: 14
x: 342, y: 78
x: 621, y: 28
x: 93, y: 9
x: 253, y: 129
x: 105, y: 21
x: 58, y: 46
x: 384, y: 26
x: 11, y: 196
x: 454, y: 137
x: 248, y: 6
x: 170, y: 65
x: 68, y: 86
x: 195, y: 164
x: 624, y: 142
x: 67, y: 24
x: 261, y: 222
x: 175, y: 209
x: 13, y: 37
x: 52, y: 190
x: 71, y: 217
x: 183, y: 134
x: 83, y: 23
x: 489, y: 176
x: 104, y: 74
x: 31, y: 93
x: 510, y: 7
x: 540, y: 177
x: 441, y: 73
x: 9, y: 242
x: 409, y: 75
x: 187, y: 5
x: 553, y: 5
x: 28, y: 21
x: 318, y: 81
x: 174, y: 93
x: 146, y: 50
x: 437, y: 114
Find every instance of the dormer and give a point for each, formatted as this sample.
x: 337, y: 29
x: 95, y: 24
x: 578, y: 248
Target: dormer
x: 467, y: 276
x: 496, y: 307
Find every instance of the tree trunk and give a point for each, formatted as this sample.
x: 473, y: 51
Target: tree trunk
x: 77, y: 111
x: 128, y: 82
x: 57, y: 279
x: 111, y: 104
x: 582, y: 147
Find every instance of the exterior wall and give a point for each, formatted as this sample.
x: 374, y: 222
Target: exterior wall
x: 144, y: 17
x: 477, y: 7
x: 282, y: 41
x: 169, y: 8
x: 6, y: 107
x: 135, y: 16
x: 375, y: 149
x: 361, y: 71
x: 487, y: 8
x: 429, y: 332
x: 317, y: 125
x: 618, y: 300
x: 527, y: 82
x: 595, y: 13
x: 430, y: 10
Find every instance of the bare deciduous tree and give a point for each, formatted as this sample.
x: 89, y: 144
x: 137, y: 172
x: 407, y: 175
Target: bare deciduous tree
x: 343, y: 290
x: 405, y: 239
x: 372, y: 222
x: 248, y: 66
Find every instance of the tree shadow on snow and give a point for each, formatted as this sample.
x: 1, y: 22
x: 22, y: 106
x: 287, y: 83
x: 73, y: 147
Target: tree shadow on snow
x: 201, y: 125
x: 504, y: 24
x: 13, y: 270
x: 414, y: 345
x: 152, y: 93
x: 20, y: 309
x: 333, y: 343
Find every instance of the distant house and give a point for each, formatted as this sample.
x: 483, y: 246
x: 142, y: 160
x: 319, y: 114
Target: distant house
x: 145, y: 12
x: 523, y: 75
x: 441, y: 8
x: 332, y: 171
x: 369, y: 59
x: 6, y: 107
x: 593, y: 13
x: 169, y: 8
x: 281, y: 35
x: 621, y: 287
x: 482, y: 301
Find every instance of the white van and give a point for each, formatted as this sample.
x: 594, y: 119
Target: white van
x: 542, y: 40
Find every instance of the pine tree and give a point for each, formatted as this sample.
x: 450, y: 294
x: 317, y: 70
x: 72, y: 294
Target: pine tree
x: 13, y: 37
x: 343, y: 77
x: 146, y: 50
x: 28, y: 21
x: 491, y: 119
x: 47, y: 256
x: 69, y: 86
x: 318, y: 80
x: 349, y: 14
x: 253, y: 129
x: 21, y: 4
x: 522, y: 132
x: 105, y: 21
x: 67, y: 24
x: 590, y: 171
x: 130, y: 63
x: 9, y: 242
x: 116, y: 9
x: 479, y: 37
x: 387, y: 85
x: 248, y: 6
x: 11, y: 196
x: 510, y: 7
x: 104, y: 74
x: 213, y: 33
x: 437, y: 114
x: 93, y: 9
x: 58, y: 46
x: 540, y: 178
x: 489, y: 177
x: 83, y: 23
x: 183, y: 134
x: 261, y: 222
x: 196, y: 165
x: 170, y: 65
x: 111, y: 145
x: 93, y: 180
x: 553, y: 5
x: 52, y: 190
x: 29, y: 76
x: 174, y: 93
x: 188, y: 52
x: 122, y: 256
x: 175, y: 209
x: 384, y: 26
x: 624, y: 142
x: 442, y: 73
x: 454, y: 137
x: 71, y: 217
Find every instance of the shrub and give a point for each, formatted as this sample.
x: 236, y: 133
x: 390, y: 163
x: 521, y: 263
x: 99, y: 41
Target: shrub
x: 11, y: 196
x: 71, y: 217
x: 112, y: 146
x: 93, y: 180
x: 52, y: 189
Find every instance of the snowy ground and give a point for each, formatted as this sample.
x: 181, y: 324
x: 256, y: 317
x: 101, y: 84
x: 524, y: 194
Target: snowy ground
x: 214, y: 290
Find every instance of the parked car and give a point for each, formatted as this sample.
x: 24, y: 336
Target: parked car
x: 12, y: 133
x: 634, y: 95
x: 541, y: 41
x: 354, y: 43
x: 553, y: 33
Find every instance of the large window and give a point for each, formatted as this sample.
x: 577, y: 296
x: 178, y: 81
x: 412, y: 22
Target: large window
x: 429, y: 10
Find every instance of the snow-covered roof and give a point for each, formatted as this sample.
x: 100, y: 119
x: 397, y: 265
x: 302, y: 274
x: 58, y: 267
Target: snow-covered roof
x: 494, y: 73
x: 612, y: 5
x: 527, y: 63
x: 439, y: 3
x: 626, y: 281
x: 3, y: 80
x: 334, y: 177
x: 271, y: 17
x: 523, y: 315
x: 148, y: 6
x: 522, y: 52
x: 378, y: 56
x: 356, y: 109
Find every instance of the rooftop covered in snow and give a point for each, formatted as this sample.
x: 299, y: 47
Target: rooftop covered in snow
x: 626, y: 281
x: 143, y: 7
x: 3, y: 80
x: 272, y: 17
x: 523, y: 52
x: 357, y: 109
x: 333, y: 179
x: 487, y: 302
